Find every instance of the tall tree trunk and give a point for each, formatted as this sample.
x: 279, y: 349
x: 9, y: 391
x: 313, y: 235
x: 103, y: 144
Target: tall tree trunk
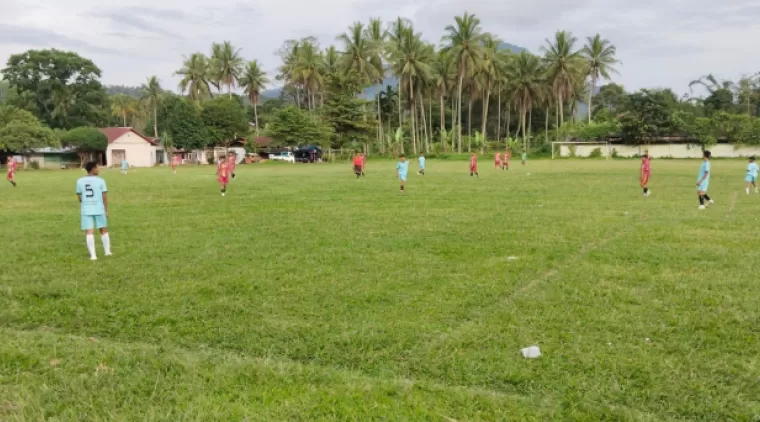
x: 509, y: 119
x: 591, y: 96
x: 546, y: 131
x: 561, y: 109
x: 523, y: 113
x: 469, y: 124
x: 256, y: 118
x: 424, y: 122
x: 124, y: 117
x: 229, y: 90
x: 530, y: 125
x: 155, y: 120
x: 430, y: 119
x: 379, y: 116
x: 498, y: 118
x: 398, y: 91
x: 459, y: 111
x: 556, y: 123
x: 485, y: 113
x: 411, y: 109
x: 453, y: 124
x: 443, y: 125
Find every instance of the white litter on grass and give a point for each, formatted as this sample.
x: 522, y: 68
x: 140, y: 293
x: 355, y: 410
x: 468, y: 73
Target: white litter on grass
x: 528, y: 174
x: 531, y: 352
x: 511, y: 258
x: 647, y: 340
x: 626, y: 213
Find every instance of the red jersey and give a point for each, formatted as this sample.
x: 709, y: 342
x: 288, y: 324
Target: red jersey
x: 474, y: 163
x: 222, y: 170
x: 364, y: 159
x: 645, y: 164
x: 358, y: 161
x: 497, y: 158
x: 231, y: 163
x: 175, y: 160
x: 507, y: 155
x: 11, y: 166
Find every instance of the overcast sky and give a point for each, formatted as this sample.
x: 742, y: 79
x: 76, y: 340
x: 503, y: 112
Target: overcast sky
x: 661, y: 43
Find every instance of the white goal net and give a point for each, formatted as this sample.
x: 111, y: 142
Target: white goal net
x: 581, y: 150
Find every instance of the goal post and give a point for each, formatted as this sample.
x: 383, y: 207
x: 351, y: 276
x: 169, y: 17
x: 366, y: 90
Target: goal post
x: 582, y: 149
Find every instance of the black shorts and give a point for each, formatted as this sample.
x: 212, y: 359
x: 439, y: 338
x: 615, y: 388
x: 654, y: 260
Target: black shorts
x: 358, y: 169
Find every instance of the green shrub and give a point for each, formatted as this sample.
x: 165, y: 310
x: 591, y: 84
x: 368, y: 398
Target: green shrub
x: 571, y: 148
x: 210, y: 159
x: 35, y: 165
x: 614, y: 153
x: 595, y: 153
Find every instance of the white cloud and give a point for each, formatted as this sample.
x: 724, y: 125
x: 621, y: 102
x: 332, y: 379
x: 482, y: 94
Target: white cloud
x: 662, y: 43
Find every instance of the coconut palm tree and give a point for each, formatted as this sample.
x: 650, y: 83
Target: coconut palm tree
x: 410, y: 60
x: 489, y: 72
x: 253, y: 81
x: 309, y: 70
x: 747, y: 90
x: 196, y: 78
x: 123, y: 106
x: 152, y: 94
x: 330, y: 61
x: 464, y: 43
x: 600, y: 61
x: 227, y: 64
x: 376, y: 36
x: 562, y: 64
x: 357, y: 53
x: 395, y: 35
x: 287, y: 72
x: 443, y: 75
x: 525, y: 75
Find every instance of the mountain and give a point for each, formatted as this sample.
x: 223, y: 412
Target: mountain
x: 130, y: 91
x: 371, y: 91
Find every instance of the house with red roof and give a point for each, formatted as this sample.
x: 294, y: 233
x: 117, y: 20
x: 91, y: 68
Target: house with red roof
x: 127, y: 143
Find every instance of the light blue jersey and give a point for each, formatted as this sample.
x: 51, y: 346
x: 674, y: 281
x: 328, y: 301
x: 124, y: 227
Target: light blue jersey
x: 124, y: 164
x: 752, y: 171
x: 705, y: 168
x: 403, y: 169
x: 422, y: 163
x: 91, y: 189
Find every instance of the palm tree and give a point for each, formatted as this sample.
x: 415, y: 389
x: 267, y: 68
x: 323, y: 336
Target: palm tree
x: 562, y: 64
x: 525, y: 75
x: 409, y: 60
x: 600, y: 60
x: 747, y: 90
x: 464, y: 42
x: 227, y: 64
x: 254, y: 80
x: 309, y: 70
x: 395, y: 35
x: 152, y: 93
x: 196, y: 80
x: 443, y: 76
x: 330, y: 61
x: 376, y: 36
x: 123, y: 105
x: 357, y: 53
x: 287, y: 71
x: 489, y: 71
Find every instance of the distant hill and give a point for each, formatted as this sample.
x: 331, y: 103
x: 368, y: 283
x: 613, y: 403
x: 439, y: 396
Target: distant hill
x: 370, y: 92
x: 130, y: 91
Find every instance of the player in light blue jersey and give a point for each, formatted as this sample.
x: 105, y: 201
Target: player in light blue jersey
x: 91, y: 191
x: 703, y: 181
x: 402, y: 169
x: 751, y: 177
x: 124, y: 166
x: 422, y: 164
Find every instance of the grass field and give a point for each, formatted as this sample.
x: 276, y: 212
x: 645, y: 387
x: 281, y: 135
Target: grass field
x: 308, y: 295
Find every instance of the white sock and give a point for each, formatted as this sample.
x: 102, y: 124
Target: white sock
x: 91, y: 245
x: 106, y: 243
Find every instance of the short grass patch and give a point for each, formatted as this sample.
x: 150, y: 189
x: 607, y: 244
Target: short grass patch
x: 306, y: 294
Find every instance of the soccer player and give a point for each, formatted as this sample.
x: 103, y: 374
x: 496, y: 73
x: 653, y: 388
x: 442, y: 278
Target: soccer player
x: 645, y: 172
x: 422, y: 164
x: 223, y: 174
x: 497, y: 160
x: 703, y: 181
x: 11, y: 167
x: 474, y: 165
x: 507, y: 156
x: 358, y: 165
x: 175, y: 163
x: 91, y: 191
x: 124, y: 166
x: 751, y: 178
x: 524, y: 157
x: 402, y: 168
x: 231, y: 163
x: 364, y: 162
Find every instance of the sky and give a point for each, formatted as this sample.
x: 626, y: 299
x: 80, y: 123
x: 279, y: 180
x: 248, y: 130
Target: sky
x: 660, y: 43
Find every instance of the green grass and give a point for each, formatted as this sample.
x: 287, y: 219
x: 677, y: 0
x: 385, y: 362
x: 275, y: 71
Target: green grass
x: 308, y: 295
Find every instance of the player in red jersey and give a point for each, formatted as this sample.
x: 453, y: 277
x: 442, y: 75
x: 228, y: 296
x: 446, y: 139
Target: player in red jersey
x: 231, y: 164
x: 507, y: 156
x: 646, y: 171
x: 11, y: 166
x: 497, y: 160
x: 364, y: 162
x: 222, y: 172
x: 358, y: 165
x: 474, y: 165
x: 175, y: 163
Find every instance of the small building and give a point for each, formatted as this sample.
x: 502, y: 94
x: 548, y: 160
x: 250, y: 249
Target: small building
x: 56, y: 158
x: 138, y: 149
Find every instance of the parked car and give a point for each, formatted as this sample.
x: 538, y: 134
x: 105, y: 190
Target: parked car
x: 309, y: 154
x: 285, y: 156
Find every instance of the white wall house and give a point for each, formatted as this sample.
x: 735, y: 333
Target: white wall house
x: 138, y: 149
x: 662, y: 150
